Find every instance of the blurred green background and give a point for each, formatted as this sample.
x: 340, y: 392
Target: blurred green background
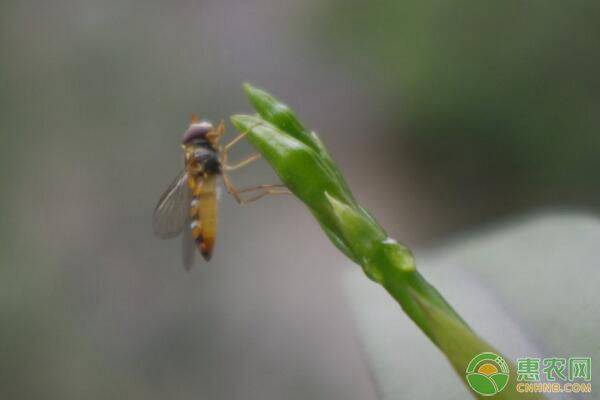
x: 443, y: 115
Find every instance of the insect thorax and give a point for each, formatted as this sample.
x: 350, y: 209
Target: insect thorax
x: 201, y: 158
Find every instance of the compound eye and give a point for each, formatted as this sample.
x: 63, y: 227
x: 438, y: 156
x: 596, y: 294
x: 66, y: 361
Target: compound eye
x: 197, y: 131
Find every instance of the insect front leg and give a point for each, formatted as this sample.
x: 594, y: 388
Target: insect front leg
x: 240, y: 164
x: 225, y: 152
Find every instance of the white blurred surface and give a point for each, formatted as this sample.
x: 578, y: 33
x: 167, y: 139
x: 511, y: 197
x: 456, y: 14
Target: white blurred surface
x: 529, y: 288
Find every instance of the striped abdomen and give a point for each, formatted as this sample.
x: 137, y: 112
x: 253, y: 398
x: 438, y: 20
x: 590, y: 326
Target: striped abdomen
x: 203, y: 213
x: 203, y: 167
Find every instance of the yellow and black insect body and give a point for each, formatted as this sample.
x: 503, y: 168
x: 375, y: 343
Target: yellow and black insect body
x: 202, y: 165
x: 189, y: 205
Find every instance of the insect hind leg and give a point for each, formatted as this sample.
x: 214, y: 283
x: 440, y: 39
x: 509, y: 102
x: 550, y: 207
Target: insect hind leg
x: 262, y: 191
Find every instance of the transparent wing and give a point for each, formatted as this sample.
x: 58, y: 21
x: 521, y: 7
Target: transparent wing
x: 171, y: 212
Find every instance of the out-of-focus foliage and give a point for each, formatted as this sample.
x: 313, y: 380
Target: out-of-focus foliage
x: 506, y: 91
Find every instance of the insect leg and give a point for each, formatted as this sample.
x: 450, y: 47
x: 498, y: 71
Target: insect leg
x: 238, y: 138
x: 230, y: 188
x: 236, y: 193
x: 240, y: 164
x: 225, y: 150
x: 264, y: 191
x: 274, y: 186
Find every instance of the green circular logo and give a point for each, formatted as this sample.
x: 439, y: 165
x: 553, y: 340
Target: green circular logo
x: 487, y: 374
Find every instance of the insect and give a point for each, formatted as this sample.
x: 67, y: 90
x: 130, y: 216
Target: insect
x: 190, y: 203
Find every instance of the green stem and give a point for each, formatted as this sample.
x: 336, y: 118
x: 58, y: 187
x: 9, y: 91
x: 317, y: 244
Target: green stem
x: 306, y: 168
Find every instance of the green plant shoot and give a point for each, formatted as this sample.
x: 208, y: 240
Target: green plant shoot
x: 303, y: 164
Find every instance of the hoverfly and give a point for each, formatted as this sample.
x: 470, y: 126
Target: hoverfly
x: 189, y: 205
